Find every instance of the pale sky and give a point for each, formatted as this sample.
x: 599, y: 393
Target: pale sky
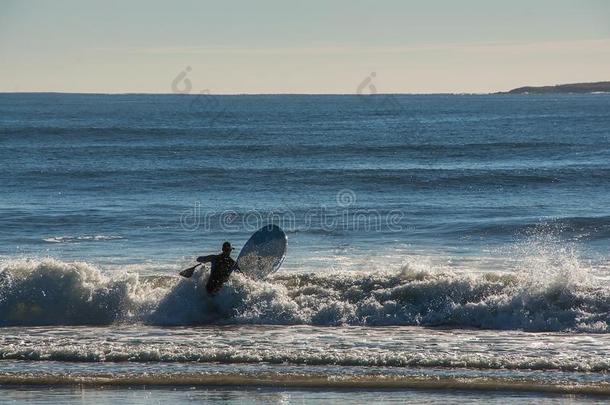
x: 312, y: 46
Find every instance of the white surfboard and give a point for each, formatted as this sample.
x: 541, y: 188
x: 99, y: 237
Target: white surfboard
x: 263, y: 253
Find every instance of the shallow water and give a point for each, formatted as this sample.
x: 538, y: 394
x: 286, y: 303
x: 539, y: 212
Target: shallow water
x: 144, y: 395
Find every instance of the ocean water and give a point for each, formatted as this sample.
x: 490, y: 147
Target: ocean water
x: 441, y: 247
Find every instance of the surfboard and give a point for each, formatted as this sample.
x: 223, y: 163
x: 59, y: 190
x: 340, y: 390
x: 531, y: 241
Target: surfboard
x: 263, y: 253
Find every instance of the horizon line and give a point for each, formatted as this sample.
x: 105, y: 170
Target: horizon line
x: 246, y: 94
x: 499, y: 93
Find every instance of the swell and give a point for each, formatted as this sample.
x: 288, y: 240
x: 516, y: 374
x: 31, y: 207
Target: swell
x: 588, y: 228
x: 407, y: 178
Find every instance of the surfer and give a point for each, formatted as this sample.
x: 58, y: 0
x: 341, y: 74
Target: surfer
x: 221, y: 267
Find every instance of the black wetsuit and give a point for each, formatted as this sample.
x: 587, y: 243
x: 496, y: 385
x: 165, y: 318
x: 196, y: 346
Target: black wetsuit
x: 222, y: 266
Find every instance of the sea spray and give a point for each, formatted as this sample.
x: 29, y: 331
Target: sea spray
x: 52, y: 292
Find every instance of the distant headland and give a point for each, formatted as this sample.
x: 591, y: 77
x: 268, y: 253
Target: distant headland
x: 563, y: 88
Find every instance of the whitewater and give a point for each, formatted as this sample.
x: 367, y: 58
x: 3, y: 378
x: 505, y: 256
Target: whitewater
x: 417, y: 326
x: 53, y: 292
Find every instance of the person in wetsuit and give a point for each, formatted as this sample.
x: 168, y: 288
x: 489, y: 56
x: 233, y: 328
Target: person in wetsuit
x: 221, y: 267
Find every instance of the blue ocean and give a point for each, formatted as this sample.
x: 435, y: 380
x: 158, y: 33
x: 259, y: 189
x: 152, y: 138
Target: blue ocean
x: 454, y: 241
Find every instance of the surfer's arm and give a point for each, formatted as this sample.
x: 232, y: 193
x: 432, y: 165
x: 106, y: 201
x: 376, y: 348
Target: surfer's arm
x: 206, y: 259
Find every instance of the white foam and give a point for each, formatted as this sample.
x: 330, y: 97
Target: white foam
x: 81, y: 238
x: 549, y: 295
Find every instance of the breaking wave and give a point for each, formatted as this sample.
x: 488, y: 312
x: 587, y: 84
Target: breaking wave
x: 547, y: 294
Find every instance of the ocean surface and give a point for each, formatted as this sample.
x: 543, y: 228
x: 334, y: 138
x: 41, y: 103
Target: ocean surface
x: 441, y: 248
